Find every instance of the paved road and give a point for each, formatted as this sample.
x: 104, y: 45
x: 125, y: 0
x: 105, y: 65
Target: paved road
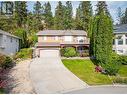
x: 101, y: 90
x: 49, y: 75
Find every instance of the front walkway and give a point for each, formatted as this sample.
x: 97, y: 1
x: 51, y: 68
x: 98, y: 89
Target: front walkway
x: 49, y: 75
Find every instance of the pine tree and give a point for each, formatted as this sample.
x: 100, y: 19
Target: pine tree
x: 119, y: 17
x: 124, y: 18
x: 58, y: 19
x: 38, y: 16
x: 68, y: 15
x: 78, y: 22
x: 87, y: 13
x: 48, y: 15
x: 21, y: 13
x: 84, y: 16
x: 102, y: 34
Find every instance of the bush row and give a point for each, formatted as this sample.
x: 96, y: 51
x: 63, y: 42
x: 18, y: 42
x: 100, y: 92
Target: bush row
x: 71, y: 52
x: 23, y: 54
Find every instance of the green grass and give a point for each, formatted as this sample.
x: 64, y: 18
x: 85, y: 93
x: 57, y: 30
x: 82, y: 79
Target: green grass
x: 85, y: 70
x: 123, y: 71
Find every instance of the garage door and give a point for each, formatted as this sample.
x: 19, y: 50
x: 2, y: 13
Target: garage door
x: 49, y: 53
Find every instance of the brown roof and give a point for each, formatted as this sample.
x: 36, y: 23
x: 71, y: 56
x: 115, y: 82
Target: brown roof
x: 47, y: 44
x: 62, y: 32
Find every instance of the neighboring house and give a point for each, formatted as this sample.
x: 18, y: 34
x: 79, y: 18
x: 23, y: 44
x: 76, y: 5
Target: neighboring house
x: 56, y: 39
x: 120, y: 39
x: 9, y: 44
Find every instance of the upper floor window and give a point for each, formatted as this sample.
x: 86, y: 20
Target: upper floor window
x: 81, y: 41
x: 120, y: 41
x: 45, y: 38
x: 68, y: 38
x: 56, y: 37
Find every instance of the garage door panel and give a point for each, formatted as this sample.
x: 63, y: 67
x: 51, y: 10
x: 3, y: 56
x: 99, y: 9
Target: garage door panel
x: 49, y: 53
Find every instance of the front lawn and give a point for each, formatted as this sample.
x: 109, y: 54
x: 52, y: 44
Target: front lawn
x: 84, y: 69
x: 123, y: 71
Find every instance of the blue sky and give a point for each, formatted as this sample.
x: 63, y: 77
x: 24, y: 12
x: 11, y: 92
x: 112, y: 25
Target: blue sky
x: 112, y: 6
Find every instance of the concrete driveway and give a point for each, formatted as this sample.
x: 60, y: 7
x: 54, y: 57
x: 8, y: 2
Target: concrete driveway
x: 49, y: 75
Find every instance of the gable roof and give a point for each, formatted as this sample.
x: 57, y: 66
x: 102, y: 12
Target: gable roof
x: 8, y: 34
x: 62, y: 32
x: 122, y: 28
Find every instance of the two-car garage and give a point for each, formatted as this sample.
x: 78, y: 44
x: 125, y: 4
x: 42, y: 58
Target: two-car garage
x: 49, y: 52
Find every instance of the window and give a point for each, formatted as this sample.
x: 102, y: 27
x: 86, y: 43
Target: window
x: 68, y: 38
x: 45, y: 38
x: 120, y: 41
x: 113, y: 41
x: 56, y: 38
x: 126, y: 41
x: 11, y: 40
x: 120, y: 51
x: 81, y: 41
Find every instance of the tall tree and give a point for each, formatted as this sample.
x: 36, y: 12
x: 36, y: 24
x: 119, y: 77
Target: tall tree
x: 84, y: 16
x: 58, y: 19
x: 68, y: 15
x: 48, y: 16
x: 38, y: 16
x: 102, y: 34
x: 21, y: 13
x: 78, y: 22
x: 119, y: 15
x: 124, y: 18
x: 87, y: 14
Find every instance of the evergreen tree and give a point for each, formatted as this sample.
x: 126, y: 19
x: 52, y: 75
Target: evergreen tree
x: 102, y: 34
x: 78, y: 22
x: 124, y: 18
x: 48, y: 16
x: 84, y: 16
x: 87, y: 14
x: 58, y: 19
x: 21, y: 13
x: 38, y: 16
x: 119, y: 15
x: 68, y: 15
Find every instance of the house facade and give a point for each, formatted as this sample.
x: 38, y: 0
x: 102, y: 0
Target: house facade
x: 9, y: 44
x: 56, y: 39
x: 120, y: 39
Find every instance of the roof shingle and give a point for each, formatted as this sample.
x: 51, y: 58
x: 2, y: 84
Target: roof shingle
x: 62, y: 32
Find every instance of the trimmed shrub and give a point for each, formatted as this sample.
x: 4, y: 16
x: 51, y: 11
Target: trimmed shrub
x: 115, y: 58
x: 5, y: 61
x: 69, y: 52
x: 123, y: 60
x: 111, y: 68
x: 24, y: 54
x: 8, y: 62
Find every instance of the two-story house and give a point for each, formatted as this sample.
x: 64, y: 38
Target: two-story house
x: 56, y: 39
x: 120, y: 39
x: 9, y: 44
